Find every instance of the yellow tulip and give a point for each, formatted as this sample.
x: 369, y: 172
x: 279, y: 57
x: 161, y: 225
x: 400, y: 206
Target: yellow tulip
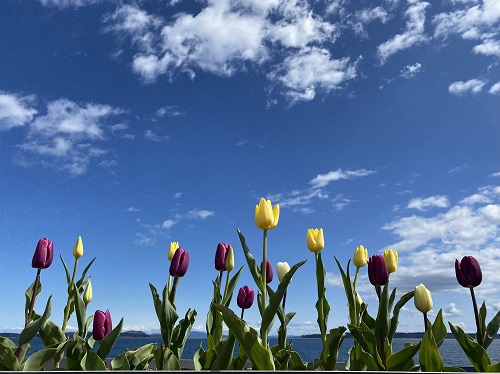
x: 391, y: 260
x: 422, y: 298
x: 78, y: 249
x: 229, y: 265
x: 315, y: 240
x: 360, y: 258
x: 87, y: 296
x: 172, y: 249
x: 266, y: 217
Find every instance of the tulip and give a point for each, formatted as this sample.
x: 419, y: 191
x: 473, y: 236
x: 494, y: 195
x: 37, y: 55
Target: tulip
x: 468, y: 272
x: 180, y: 263
x: 359, y: 300
x: 360, y: 257
x: 78, y: 249
x: 422, y: 298
x: 282, y: 268
x: 315, y: 240
x: 269, y: 271
x: 377, y: 270
x: 102, y: 324
x: 266, y: 217
x: 87, y: 295
x: 172, y: 249
x: 222, y: 257
x: 391, y: 260
x: 44, y: 253
x: 245, y: 297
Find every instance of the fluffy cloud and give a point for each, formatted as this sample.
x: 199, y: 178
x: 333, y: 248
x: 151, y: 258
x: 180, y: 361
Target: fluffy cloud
x: 322, y: 180
x: 489, y: 47
x: 460, y: 88
x: 15, y: 110
x: 495, y: 89
x: 421, y: 204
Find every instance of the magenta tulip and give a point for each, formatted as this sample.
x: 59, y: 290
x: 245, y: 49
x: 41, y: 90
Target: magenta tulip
x: 377, y: 270
x: 102, y: 324
x: 221, y: 254
x: 269, y: 271
x: 44, y: 253
x: 468, y: 272
x: 245, y: 297
x: 179, y: 263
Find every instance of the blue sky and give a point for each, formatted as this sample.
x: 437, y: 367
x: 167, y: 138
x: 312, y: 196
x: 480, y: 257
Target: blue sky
x: 137, y: 123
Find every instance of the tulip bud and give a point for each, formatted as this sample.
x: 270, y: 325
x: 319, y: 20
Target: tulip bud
x: 468, y: 272
x: 172, y: 249
x: 266, y: 217
x: 315, y: 240
x: 78, y: 249
x: 269, y: 271
x: 245, y: 297
x: 222, y: 255
x: 377, y: 270
x: 391, y: 260
x: 230, y: 259
x: 102, y: 324
x: 359, y: 300
x: 180, y: 263
x: 44, y: 253
x: 87, y: 295
x: 422, y: 298
x: 282, y: 268
x: 360, y: 257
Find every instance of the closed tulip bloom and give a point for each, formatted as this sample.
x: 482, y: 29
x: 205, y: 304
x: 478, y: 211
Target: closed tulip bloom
x: 391, y: 260
x: 360, y: 258
x: 44, y: 253
x: 315, y: 240
x: 282, y: 268
x: 245, y: 297
x: 377, y: 270
x: 269, y: 271
x: 422, y: 298
x: 102, y: 324
x: 468, y: 272
x: 230, y: 259
x: 359, y: 300
x: 222, y: 253
x: 78, y: 249
x: 180, y: 263
x: 87, y: 295
x: 266, y: 217
x: 172, y: 249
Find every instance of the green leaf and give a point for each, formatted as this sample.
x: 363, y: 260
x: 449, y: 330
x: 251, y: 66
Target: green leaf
x: 349, y: 292
x: 51, y: 334
x: 370, y: 362
x: 8, y: 360
x: 493, y: 368
x: 168, y: 317
x: 106, y: 344
x: 399, y: 360
x: 8, y: 343
x: 225, y: 351
x: 139, y: 358
x: 156, y: 301
x: 80, y: 311
x: 120, y: 362
x: 252, y: 264
x: 231, y: 286
x: 395, y: 314
x: 430, y: 359
x: 79, y: 283
x: 391, y: 299
x: 322, y: 304
x: 203, y: 360
x: 482, y: 321
x: 248, y: 338
x: 439, y: 329
x: 75, y: 352
x: 330, y: 354
x: 91, y: 361
x: 33, y: 327
x: 38, y: 360
x: 168, y: 361
x: 275, y: 300
x: 66, y: 270
x: 475, y: 353
x: 491, y: 331
x: 181, y: 332
x: 383, y: 321
x: 29, y: 295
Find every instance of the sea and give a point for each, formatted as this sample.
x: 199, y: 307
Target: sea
x: 308, y: 348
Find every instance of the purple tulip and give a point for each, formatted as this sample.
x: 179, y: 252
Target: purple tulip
x: 179, y: 263
x: 468, y: 272
x: 245, y: 297
x: 102, y: 324
x: 377, y: 270
x: 269, y: 271
x: 221, y: 256
x: 44, y: 254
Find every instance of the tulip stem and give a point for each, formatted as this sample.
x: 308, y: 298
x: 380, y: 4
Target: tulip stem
x: 242, y: 312
x: 174, y: 288
x: 33, y: 297
x: 355, y: 279
x: 168, y: 284
x: 479, y: 334
x: 321, y: 295
x: 378, y: 290
x: 226, y: 286
x: 70, y: 296
x: 264, y: 284
x: 425, y: 322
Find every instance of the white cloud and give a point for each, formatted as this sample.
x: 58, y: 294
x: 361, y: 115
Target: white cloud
x: 68, y: 3
x: 171, y: 111
x: 489, y: 47
x: 459, y: 169
x: 133, y: 209
x: 150, y: 135
x: 473, y: 85
x: 495, y: 174
x: 495, y: 89
x: 197, y: 214
x: 413, y: 34
x: 421, y: 204
x: 177, y: 195
x: 108, y: 163
x: 143, y: 240
x: 168, y: 224
x: 15, y: 110
x: 322, y: 180
x: 408, y: 72
x: 118, y: 127
x: 365, y: 16
x: 451, y: 310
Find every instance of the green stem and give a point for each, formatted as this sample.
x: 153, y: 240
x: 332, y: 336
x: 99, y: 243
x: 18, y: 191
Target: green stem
x: 70, y: 296
x: 242, y: 312
x: 226, y: 286
x: 378, y: 290
x: 321, y: 290
x: 264, y: 284
x: 284, y: 321
x: 479, y: 333
x: 172, y: 294
x: 168, y: 284
x: 425, y: 322
x: 355, y: 280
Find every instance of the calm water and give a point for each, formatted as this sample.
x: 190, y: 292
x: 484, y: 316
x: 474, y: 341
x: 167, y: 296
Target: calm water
x: 308, y: 349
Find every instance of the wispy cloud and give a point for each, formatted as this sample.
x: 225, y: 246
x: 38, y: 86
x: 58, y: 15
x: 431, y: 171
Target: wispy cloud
x: 460, y: 88
x: 459, y: 169
x: 495, y: 89
x: 423, y: 204
x: 171, y: 111
x: 178, y: 195
x: 68, y: 3
x: 15, y: 110
x: 408, y: 72
x: 133, y: 209
x: 151, y: 135
x: 322, y: 180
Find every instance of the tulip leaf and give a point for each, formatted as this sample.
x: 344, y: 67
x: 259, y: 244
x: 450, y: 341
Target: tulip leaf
x: 181, y: 332
x: 91, y: 362
x: 322, y: 304
x: 248, y: 338
x: 252, y: 264
x: 120, y: 362
x: 391, y: 299
x: 491, y: 331
x: 166, y: 359
x: 395, y: 314
x: 8, y: 360
x: 225, y: 351
x: 383, y: 321
x: 357, y: 333
x: 66, y: 270
x: 231, y: 286
x: 493, y: 368
x: 275, y: 300
x: 156, y: 301
x: 51, y: 333
x: 439, y: 329
x: 106, y: 344
x: 139, y: 359
x: 29, y: 295
x: 401, y: 360
x: 75, y: 352
x: 370, y: 362
x: 475, y: 353
x: 80, y: 311
x: 168, y: 317
x: 349, y: 291
x: 482, y: 321
x: 330, y: 353
x: 8, y: 343
x: 429, y: 357
x: 203, y: 360
x: 80, y: 281
x: 33, y: 327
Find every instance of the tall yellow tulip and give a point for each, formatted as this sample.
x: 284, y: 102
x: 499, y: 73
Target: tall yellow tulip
x: 315, y: 240
x: 78, y: 249
x: 266, y: 217
x: 391, y: 260
x: 360, y: 258
x: 172, y: 249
